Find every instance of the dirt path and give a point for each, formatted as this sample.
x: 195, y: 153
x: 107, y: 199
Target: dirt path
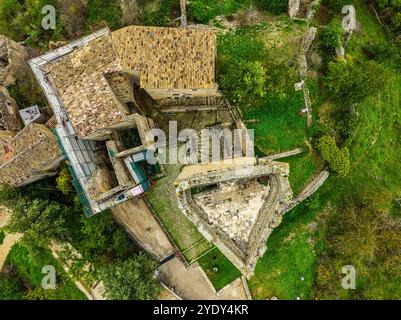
x: 8, y: 242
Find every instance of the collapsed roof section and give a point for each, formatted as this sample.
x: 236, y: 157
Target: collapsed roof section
x: 236, y: 205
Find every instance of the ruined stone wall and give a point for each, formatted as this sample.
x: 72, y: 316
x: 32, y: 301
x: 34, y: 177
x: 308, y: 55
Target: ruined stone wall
x: 302, y: 9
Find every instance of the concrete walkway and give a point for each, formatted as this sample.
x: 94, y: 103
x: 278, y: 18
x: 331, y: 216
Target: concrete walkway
x: 142, y: 226
x: 190, y: 284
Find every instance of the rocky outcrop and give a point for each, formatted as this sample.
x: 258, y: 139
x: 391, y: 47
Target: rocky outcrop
x: 13, y: 66
x: 302, y: 9
x: 293, y: 8
x: 9, y: 115
x: 13, y: 59
x: 307, y: 40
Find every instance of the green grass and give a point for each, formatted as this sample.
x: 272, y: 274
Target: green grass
x: 303, y: 168
x: 219, y: 269
x: 290, y: 256
x: 185, y: 234
x: 2, y: 236
x: 164, y: 201
x: 280, y: 126
x: 205, y: 10
x: 29, y: 267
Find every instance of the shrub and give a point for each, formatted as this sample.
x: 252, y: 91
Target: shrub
x: 22, y: 20
x: 131, y: 279
x: 104, y: 10
x: 332, y: 35
x: 350, y: 83
x: 205, y: 10
x: 244, y: 82
x: 159, y: 14
x: 9, y: 288
x: 383, y: 51
x: 73, y: 15
x: 102, y: 238
x: 275, y: 6
x: 64, y: 181
x: 337, y: 159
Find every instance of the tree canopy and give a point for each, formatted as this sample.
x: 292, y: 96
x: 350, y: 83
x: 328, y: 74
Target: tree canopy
x: 337, y: 159
x: 131, y: 279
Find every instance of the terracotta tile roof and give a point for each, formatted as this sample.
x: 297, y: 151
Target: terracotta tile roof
x: 83, y: 88
x: 31, y: 150
x: 168, y: 57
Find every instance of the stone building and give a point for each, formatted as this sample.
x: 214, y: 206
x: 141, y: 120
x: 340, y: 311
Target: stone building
x: 96, y: 82
x: 236, y: 205
x: 109, y: 82
x: 28, y: 156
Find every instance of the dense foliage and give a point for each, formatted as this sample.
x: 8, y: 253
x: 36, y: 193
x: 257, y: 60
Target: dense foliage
x: 9, y: 288
x: 337, y: 159
x: 332, y: 35
x: 22, y: 21
x: 390, y: 11
x: 244, y: 82
x: 362, y: 234
x: 203, y: 11
x: 132, y: 279
x: 353, y: 81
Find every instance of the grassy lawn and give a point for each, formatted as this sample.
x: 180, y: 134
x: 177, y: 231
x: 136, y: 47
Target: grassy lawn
x: 219, y: 269
x: 164, y: 201
x: 185, y: 234
x: 286, y: 270
x: 205, y: 10
x: 280, y: 127
x: 303, y: 168
x: 28, y: 267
